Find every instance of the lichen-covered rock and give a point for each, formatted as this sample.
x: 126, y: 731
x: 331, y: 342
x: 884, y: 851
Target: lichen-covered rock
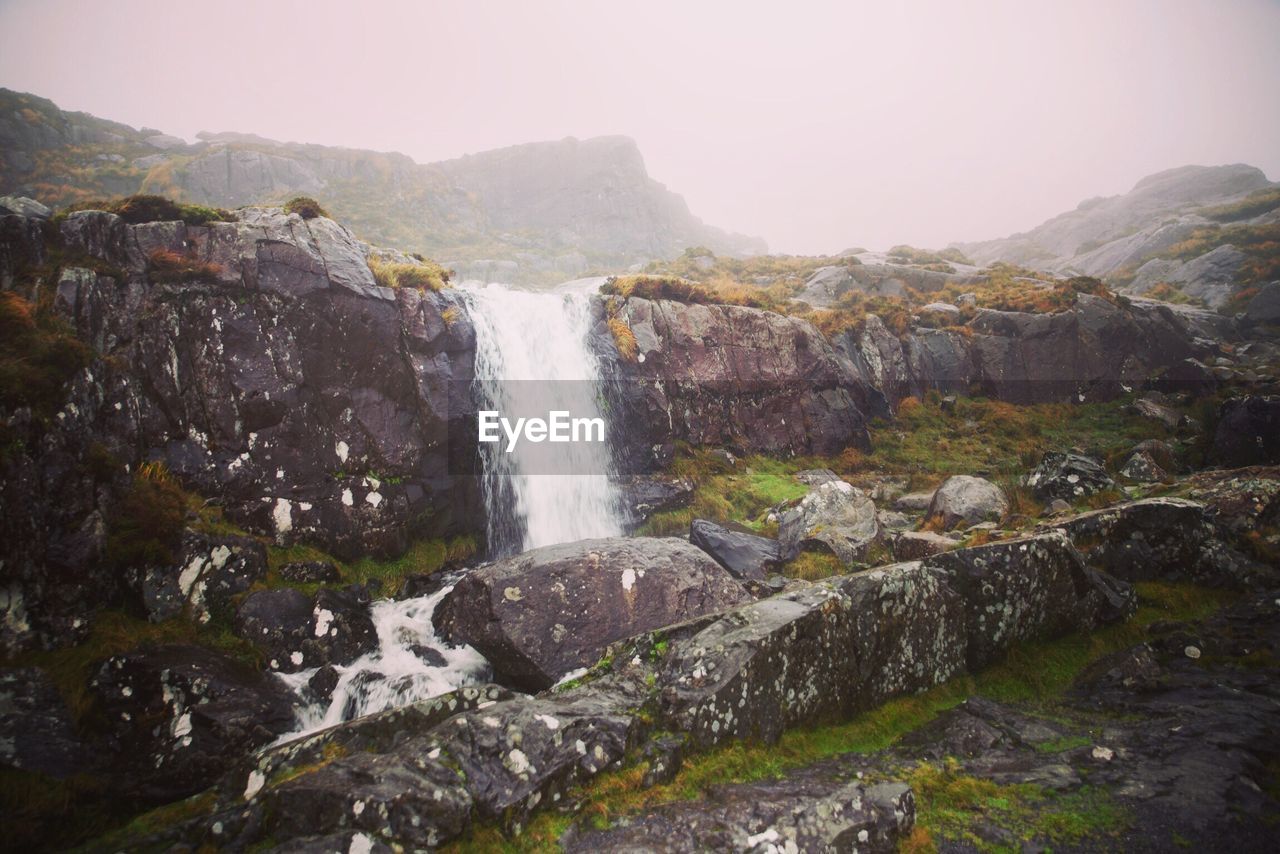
x: 1068, y: 476
x: 1248, y: 431
x: 296, y: 631
x: 311, y: 572
x: 1027, y: 589
x: 747, y: 556
x: 544, y: 613
x: 177, y: 717
x: 643, y: 495
x: 211, y: 570
x: 834, y: 516
x: 963, y: 500
x: 1161, y: 538
x: 800, y: 812
x: 828, y: 650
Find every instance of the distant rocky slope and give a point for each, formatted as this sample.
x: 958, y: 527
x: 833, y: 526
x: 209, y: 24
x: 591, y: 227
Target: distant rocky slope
x: 1207, y: 232
x: 544, y: 211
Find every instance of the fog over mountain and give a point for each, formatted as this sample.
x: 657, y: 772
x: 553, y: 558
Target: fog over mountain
x: 831, y: 125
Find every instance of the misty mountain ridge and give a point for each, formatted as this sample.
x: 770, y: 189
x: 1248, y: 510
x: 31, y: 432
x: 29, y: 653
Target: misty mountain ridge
x: 1203, y: 231
x: 540, y: 211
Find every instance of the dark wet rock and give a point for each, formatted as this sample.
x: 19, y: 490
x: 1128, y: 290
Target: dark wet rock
x: 424, y: 584
x: 1248, y: 431
x: 1141, y: 467
x: 797, y: 813
x: 36, y: 729
x: 665, y: 756
x: 1068, y: 476
x: 431, y: 657
x: 834, y: 516
x: 914, y: 545
x: 964, y: 501
x: 544, y: 613
x: 177, y: 717
x: 296, y: 631
x: 311, y: 572
x: 321, y: 686
x: 1028, y: 589
x: 644, y: 495
x: 1161, y: 538
x: 211, y: 571
x: 747, y: 556
x: 1160, y: 451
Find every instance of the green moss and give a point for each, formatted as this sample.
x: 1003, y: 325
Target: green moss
x: 150, y: 208
x: 1036, y: 674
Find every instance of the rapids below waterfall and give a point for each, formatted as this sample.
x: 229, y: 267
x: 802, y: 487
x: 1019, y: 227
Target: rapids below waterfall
x: 532, y: 357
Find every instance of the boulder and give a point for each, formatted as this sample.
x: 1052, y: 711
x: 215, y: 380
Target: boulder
x: 36, y: 729
x: 546, y: 612
x: 1161, y: 452
x: 1156, y: 411
x: 913, y: 502
x: 23, y: 206
x: 1265, y: 305
x: 1248, y: 431
x: 211, y: 571
x: 835, y: 516
x: 746, y: 556
x: 814, y: 477
x: 644, y: 495
x: 1068, y: 476
x: 296, y: 631
x: 179, y: 716
x: 1141, y: 467
x: 915, y: 545
x: 963, y: 500
x: 1168, y: 539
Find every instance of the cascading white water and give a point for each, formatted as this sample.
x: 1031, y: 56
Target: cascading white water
x: 532, y: 355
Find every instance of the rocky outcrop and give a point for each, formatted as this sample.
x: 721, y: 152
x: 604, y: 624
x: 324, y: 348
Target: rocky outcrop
x: 728, y: 376
x: 1248, y: 431
x: 963, y: 500
x: 553, y: 610
x: 746, y: 556
x: 36, y: 730
x: 209, y: 573
x: 1096, y: 350
x: 836, y: 517
x: 273, y: 373
x: 177, y: 717
x: 1163, y: 539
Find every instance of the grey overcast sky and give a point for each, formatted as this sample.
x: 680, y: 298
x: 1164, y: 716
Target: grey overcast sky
x: 815, y: 125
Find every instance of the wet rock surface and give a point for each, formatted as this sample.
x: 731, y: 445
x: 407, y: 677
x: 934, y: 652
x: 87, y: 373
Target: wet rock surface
x: 210, y: 572
x: 296, y: 631
x: 1248, y: 431
x: 36, y: 729
x: 547, y: 612
x: 745, y: 555
x: 178, y: 716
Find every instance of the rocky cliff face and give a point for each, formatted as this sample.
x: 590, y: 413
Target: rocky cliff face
x: 551, y: 209
x: 270, y: 372
x: 1095, y: 350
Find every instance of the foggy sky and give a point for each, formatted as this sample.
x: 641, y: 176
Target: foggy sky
x: 817, y: 126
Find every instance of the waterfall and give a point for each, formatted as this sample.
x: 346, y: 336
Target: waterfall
x: 532, y: 357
